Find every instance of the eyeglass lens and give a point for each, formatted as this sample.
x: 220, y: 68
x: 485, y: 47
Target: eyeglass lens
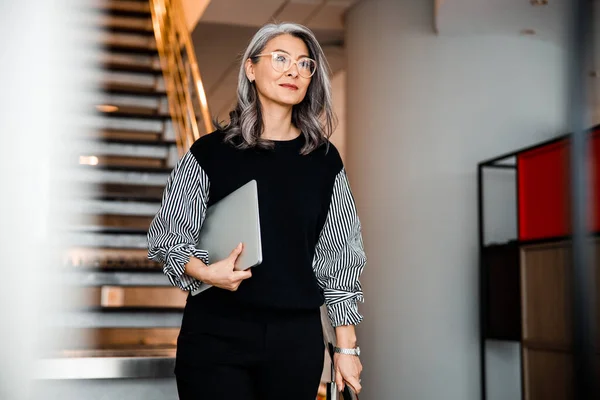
x: 282, y: 62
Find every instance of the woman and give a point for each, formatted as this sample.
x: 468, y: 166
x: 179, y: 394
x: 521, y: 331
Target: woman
x: 257, y: 334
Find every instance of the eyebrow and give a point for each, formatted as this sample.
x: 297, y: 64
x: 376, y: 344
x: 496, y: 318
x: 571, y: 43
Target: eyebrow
x: 283, y: 51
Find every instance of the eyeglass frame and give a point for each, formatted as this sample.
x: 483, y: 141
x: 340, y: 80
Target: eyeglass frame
x: 292, y: 63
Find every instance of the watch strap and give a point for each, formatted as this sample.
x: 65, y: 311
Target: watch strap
x: 351, y: 352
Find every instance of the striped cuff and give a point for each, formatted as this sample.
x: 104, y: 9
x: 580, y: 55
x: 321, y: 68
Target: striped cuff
x: 342, y: 307
x: 175, y: 261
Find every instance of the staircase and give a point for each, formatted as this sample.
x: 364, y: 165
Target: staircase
x: 128, y: 316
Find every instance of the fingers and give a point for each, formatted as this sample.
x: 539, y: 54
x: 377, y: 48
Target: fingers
x: 349, y: 377
x: 235, y: 253
x: 232, y: 279
x: 241, y: 275
x: 339, y: 380
x: 237, y: 277
x: 354, y: 382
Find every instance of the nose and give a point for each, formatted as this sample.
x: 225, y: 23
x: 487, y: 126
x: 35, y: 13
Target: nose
x: 293, y: 71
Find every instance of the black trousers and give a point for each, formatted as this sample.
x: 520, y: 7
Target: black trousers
x: 247, y: 354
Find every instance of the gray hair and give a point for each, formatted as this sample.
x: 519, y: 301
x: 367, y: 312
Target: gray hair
x: 314, y: 115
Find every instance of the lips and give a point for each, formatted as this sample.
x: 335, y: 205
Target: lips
x: 289, y: 86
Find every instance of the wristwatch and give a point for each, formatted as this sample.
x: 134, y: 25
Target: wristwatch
x: 351, y: 352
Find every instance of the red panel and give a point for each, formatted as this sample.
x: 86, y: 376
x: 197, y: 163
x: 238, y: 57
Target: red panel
x: 544, y: 192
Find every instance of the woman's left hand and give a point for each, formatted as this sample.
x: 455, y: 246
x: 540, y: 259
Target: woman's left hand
x: 347, y: 370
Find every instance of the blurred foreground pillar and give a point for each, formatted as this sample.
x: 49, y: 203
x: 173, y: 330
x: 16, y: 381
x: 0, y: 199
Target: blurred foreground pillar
x: 41, y: 103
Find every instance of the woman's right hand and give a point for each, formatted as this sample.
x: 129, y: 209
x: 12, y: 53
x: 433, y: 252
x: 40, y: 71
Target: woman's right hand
x: 222, y: 273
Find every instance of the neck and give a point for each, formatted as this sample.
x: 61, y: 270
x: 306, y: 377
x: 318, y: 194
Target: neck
x: 277, y: 122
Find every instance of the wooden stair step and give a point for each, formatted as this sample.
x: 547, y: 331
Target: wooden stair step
x: 128, y: 135
x: 127, y: 297
x: 135, y: 9
x: 125, y: 168
x: 109, y: 338
x: 130, y: 197
x: 131, y: 297
x: 123, y: 111
x: 130, y: 48
x: 134, y: 309
x: 130, y: 161
x: 115, y: 28
x: 123, y: 317
x: 95, y: 175
x: 133, y: 222
x: 121, y: 192
x: 112, y: 231
x: 109, y: 259
x: 131, y: 89
x: 116, y: 66
x: 129, y: 192
x: 126, y: 197
x: 150, y: 267
x: 104, y: 277
x: 135, y: 26
x: 153, y: 352
x: 143, y: 339
x: 161, y: 143
x: 90, y: 239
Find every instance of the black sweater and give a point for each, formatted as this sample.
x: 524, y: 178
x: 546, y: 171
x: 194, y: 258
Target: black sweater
x: 312, y: 245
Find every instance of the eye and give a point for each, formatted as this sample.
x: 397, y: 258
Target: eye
x: 279, y: 57
x: 305, y: 63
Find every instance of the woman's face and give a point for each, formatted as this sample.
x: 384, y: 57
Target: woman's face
x: 284, y: 88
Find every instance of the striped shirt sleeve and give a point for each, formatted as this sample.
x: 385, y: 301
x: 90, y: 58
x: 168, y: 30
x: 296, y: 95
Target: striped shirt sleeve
x: 340, y: 257
x: 174, y: 230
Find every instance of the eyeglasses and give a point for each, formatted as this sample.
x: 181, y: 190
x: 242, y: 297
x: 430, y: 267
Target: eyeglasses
x: 282, y: 62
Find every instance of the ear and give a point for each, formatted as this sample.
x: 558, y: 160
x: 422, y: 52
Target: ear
x: 249, y: 67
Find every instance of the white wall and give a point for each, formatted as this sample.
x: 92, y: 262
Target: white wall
x: 422, y: 111
x: 338, y: 87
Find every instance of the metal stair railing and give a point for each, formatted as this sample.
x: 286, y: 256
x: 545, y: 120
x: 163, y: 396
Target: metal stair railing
x: 185, y: 90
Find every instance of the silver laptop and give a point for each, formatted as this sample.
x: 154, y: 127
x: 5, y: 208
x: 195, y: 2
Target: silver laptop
x: 232, y: 220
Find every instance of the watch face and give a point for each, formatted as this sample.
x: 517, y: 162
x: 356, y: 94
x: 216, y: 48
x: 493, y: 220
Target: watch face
x: 357, y: 351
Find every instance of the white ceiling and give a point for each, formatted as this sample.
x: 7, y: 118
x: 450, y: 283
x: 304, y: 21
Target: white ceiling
x: 316, y: 14
x: 227, y: 25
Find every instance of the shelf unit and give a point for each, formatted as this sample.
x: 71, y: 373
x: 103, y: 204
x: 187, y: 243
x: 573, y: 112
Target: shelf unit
x: 526, y: 266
